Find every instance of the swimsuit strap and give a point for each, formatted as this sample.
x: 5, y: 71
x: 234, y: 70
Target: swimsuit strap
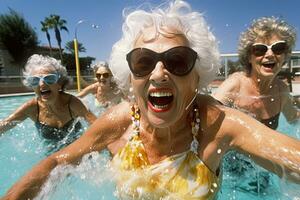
x: 38, y: 111
x: 69, y: 102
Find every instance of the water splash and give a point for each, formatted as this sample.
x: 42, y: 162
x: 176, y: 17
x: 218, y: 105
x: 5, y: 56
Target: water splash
x: 91, y: 179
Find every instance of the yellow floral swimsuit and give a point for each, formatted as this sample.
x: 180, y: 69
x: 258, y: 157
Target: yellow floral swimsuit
x: 182, y: 176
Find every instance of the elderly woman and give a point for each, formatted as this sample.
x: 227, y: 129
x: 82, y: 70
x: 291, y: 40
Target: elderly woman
x: 172, y: 142
x: 263, y: 50
x: 54, y: 112
x: 105, y: 89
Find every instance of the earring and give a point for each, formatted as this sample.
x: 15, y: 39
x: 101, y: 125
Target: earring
x: 195, y: 128
x: 135, y: 118
x: 131, y: 96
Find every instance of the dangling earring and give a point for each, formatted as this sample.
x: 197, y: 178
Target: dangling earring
x: 131, y: 96
x: 135, y: 118
x: 195, y: 128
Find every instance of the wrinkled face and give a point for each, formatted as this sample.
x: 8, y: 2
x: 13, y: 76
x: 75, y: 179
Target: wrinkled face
x: 269, y: 64
x: 103, y: 76
x: 46, y: 92
x: 162, y: 96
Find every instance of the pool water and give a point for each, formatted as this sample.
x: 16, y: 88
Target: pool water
x: 21, y: 148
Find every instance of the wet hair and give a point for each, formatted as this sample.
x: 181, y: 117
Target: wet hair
x: 263, y: 28
x: 100, y: 64
x: 176, y: 19
x: 36, y: 62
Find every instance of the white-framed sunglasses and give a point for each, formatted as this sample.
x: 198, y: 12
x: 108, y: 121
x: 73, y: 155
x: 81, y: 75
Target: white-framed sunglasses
x: 259, y: 49
x: 49, y: 79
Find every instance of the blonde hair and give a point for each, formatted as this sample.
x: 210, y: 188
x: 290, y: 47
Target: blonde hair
x: 264, y: 27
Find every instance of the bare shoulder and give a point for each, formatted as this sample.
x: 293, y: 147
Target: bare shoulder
x: 283, y: 87
x: 236, y: 78
x: 210, y: 110
x: 111, y: 125
x: 119, y: 112
x: 91, y: 88
x: 230, y: 87
x: 72, y: 100
x: 30, y: 107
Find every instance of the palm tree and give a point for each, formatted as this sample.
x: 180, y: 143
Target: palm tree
x: 17, y: 36
x: 70, y: 47
x: 58, y: 25
x: 46, y: 26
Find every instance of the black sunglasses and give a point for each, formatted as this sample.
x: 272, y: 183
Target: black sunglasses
x: 178, y: 60
x: 259, y: 49
x: 105, y: 75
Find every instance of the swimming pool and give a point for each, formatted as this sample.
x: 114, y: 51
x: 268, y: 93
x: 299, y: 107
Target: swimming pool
x: 22, y: 147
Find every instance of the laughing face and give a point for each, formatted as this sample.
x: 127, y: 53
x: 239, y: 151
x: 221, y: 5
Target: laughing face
x: 46, y: 92
x: 269, y: 64
x: 103, y: 76
x: 162, y: 96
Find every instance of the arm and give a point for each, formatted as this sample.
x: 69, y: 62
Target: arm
x: 24, y: 111
x: 226, y: 92
x: 104, y: 131
x: 89, y: 89
x: 272, y: 150
x: 79, y: 109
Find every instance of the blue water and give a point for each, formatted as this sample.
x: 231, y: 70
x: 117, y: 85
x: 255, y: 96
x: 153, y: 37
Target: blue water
x: 21, y: 148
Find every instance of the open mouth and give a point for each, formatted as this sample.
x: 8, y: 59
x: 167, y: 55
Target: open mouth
x: 45, y: 92
x: 160, y: 100
x: 269, y: 65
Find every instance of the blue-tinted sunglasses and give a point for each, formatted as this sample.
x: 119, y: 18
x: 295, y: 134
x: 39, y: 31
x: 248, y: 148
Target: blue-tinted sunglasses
x: 49, y: 79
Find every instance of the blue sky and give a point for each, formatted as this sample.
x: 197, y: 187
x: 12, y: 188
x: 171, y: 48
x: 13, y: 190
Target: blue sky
x: 227, y: 19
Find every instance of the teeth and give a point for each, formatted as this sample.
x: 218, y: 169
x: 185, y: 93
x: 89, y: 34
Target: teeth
x: 160, y: 94
x: 160, y: 107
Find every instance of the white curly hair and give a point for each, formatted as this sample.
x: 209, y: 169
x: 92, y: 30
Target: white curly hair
x: 176, y: 18
x: 37, y: 61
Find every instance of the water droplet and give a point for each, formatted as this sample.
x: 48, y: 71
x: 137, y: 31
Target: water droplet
x: 215, y: 185
x: 271, y: 86
x: 219, y: 151
x: 258, y: 80
x: 272, y: 99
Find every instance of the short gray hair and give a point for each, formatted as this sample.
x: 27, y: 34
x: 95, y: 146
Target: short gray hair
x: 264, y: 27
x: 177, y: 15
x: 37, y: 61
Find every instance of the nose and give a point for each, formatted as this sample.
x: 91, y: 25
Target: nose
x: 269, y: 52
x: 159, y: 73
x: 42, y: 82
